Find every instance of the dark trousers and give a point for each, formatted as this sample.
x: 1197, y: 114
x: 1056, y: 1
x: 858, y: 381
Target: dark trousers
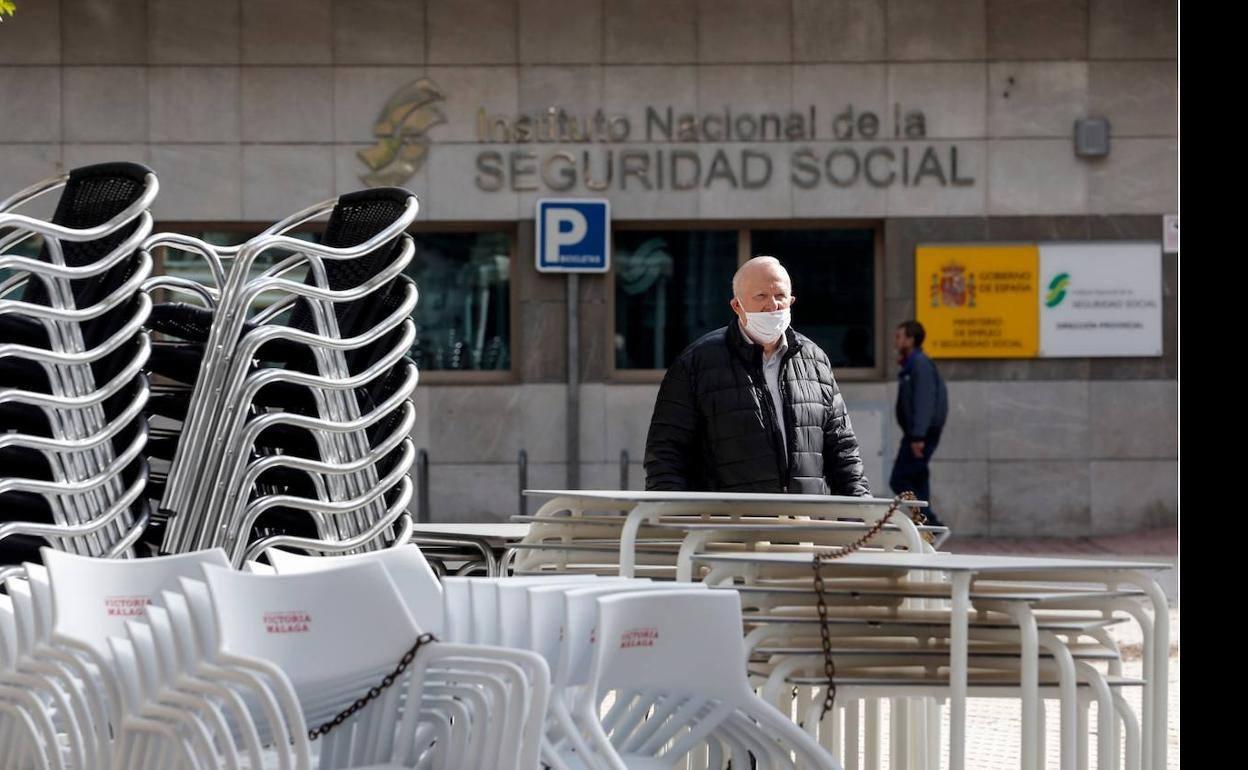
x: 910, y: 473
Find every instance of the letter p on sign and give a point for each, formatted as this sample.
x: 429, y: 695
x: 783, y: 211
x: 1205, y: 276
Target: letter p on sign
x: 573, y: 236
x: 557, y: 235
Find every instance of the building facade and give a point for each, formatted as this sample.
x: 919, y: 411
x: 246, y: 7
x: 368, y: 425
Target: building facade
x: 837, y: 135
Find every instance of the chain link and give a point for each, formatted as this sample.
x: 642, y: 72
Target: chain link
x: 821, y: 604
x: 375, y: 691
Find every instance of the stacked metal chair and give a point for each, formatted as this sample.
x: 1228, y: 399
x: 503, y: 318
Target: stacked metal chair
x: 73, y: 349
x: 296, y: 429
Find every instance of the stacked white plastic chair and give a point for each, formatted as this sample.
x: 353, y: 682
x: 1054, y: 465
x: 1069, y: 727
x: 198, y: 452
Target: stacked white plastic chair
x: 645, y: 674
x: 608, y: 533
x: 62, y: 663
x: 182, y: 662
x: 890, y: 630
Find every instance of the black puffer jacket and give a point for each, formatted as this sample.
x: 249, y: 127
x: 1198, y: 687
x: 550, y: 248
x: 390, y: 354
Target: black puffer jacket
x: 714, y: 424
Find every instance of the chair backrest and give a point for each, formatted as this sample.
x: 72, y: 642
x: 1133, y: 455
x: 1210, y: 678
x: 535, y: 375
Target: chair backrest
x: 672, y: 641
x: 317, y: 626
x: 547, y: 615
x: 203, y: 620
x: 456, y: 609
x: 8, y: 633
x: 512, y: 605
x: 23, y: 616
x: 472, y: 607
x: 92, y: 196
x: 357, y: 217
x: 183, y: 627
x: 121, y: 652
x: 93, y: 598
x: 418, y: 585
x: 581, y: 624
x: 161, y: 624
x: 140, y: 635
x: 41, y: 599
x: 484, y: 614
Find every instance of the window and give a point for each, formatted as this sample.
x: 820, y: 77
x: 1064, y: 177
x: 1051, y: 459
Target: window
x: 833, y: 274
x: 463, y: 318
x: 671, y: 287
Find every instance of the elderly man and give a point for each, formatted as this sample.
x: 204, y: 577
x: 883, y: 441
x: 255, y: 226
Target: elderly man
x: 753, y: 407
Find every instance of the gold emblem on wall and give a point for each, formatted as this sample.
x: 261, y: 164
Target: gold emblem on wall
x: 954, y: 286
x: 401, y: 131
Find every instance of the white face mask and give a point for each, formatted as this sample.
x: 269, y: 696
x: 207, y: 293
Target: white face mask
x: 766, y: 328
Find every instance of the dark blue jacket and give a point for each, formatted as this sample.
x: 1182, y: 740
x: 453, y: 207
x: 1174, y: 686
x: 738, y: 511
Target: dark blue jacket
x: 922, y: 401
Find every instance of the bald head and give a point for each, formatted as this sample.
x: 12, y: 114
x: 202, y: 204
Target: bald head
x: 761, y: 285
x: 759, y: 271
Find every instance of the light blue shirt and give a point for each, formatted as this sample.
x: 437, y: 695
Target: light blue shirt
x: 771, y: 373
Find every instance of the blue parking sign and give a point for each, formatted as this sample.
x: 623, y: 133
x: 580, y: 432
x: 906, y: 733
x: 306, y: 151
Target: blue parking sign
x: 573, y: 235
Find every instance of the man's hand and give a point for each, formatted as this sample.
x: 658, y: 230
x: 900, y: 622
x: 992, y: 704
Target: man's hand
x: 917, y: 448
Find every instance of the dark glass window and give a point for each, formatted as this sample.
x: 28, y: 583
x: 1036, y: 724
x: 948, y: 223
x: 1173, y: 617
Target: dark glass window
x: 671, y: 287
x: 463, y: 318
x: 833, y: 274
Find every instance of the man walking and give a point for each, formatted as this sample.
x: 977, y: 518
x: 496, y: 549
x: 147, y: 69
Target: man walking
x: 922, y: 406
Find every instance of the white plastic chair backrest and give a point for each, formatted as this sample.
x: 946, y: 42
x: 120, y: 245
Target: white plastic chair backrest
x: 581, y: 622
x: 162, y: 634
x: 8, y: 633
x: 121, y: 652
x: 183, y: 626
x: 457, y: 609
x: 483, y: 627
x: 513, y: 605
x: 256, y: 568
x: 140, y: 636
x: 204, y: 623
x: 672, y: 641
x: 41, y: 600
x: 93, y: 598
x: 317, y: 626
x: 23, y: 616
x: 545, y: 623
x: 417, y: 583
x: 486, y: 628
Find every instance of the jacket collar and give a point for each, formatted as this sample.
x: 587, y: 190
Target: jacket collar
x: 908, y: 364
x: 752, y: 353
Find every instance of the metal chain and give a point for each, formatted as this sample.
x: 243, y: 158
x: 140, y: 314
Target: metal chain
x: 821, y: 604
x: 376, y: 690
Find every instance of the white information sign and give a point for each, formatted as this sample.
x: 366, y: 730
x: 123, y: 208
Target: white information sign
x: 1100, y: 300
